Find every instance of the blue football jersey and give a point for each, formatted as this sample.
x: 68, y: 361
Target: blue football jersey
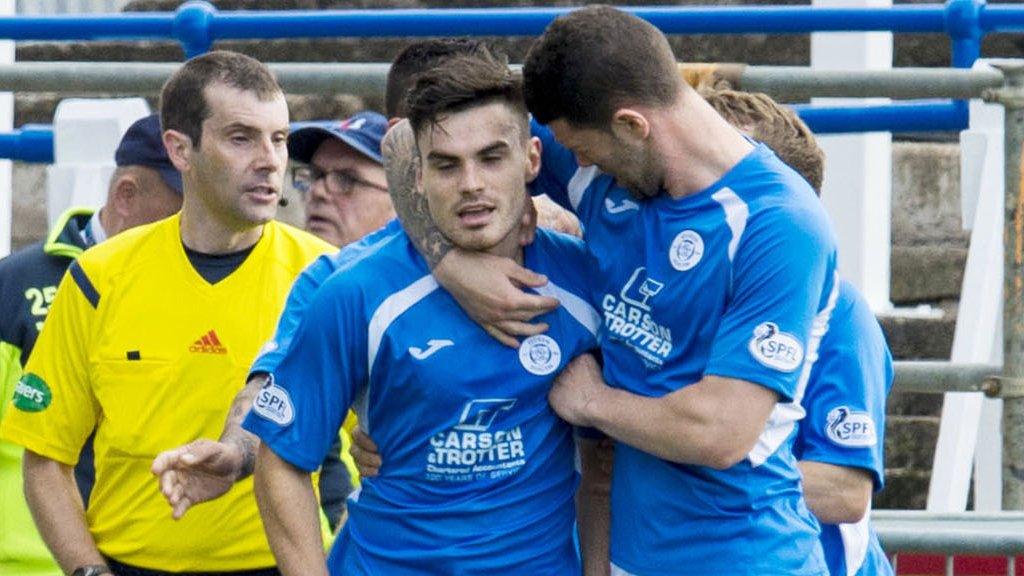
x: 845, y: 422
x: 737, y: 281
x: 478, y: 474
x: 305, y: 286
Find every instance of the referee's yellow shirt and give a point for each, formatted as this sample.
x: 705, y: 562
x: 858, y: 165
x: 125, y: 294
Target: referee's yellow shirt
x: 138, y: 346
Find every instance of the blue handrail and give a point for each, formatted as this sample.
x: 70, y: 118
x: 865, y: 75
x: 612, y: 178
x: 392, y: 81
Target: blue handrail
x: 34, y: 142
x: 918, y: 116
x: 197, y: 24
x: 30, y: 143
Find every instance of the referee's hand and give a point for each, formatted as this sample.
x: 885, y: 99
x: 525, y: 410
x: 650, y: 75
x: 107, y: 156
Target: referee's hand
x: 196, y: 472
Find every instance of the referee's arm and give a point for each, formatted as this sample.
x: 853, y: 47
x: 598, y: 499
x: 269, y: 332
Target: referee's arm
x: 203, y: 470
x: 58, y: 512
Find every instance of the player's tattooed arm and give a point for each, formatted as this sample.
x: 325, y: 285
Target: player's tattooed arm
x: 233, y: 434
x: 487, y: 287
x: 205, y: 469
x: 399, y: 148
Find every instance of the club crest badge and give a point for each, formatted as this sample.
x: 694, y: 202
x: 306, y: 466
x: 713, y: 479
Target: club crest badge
x: 686, y: 251
x: 540, y: 355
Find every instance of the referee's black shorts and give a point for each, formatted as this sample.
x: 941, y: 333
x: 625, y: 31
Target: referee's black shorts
x: 122, y: 569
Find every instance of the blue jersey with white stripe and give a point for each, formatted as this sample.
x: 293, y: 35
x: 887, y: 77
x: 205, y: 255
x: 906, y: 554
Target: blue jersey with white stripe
x: 735, y: 281
x: 306, y: 285
x: 845, y: 422
x: 478, y: 474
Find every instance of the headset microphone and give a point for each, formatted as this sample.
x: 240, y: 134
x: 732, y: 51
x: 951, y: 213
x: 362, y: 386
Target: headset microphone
x: 282, y: 202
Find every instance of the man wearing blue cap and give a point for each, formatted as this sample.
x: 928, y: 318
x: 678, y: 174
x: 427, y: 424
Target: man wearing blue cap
x: 145, y: 187
x: 342, y: 178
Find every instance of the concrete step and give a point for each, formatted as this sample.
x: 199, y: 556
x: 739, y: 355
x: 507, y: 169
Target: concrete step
x: 926, y: 335
x: 930, y: 273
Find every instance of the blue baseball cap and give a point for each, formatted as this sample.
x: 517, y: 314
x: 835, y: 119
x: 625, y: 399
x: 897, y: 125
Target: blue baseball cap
x: 363, y: 132
x: 143, y: 145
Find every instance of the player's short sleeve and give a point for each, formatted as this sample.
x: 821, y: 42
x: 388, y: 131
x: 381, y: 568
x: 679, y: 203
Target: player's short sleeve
x: 782, y: 276
x: 846, y: 393
x: 300, y: 409
x: 306, y: 285
x: 54, y: 410
x: 557, y: 168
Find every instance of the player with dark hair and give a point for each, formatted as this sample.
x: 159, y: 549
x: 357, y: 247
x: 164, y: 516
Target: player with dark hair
x: 846, y: 389
x: 151, y: 333
x: 715, y: 294
x: 416, y: 58
x: 839, y: 443
x: 480, y: 475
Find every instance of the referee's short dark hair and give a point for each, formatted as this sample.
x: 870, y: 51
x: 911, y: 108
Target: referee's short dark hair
x: 183, y: 105
x: 465, y: 82
x: 416, y: 58
x: 594, y: 61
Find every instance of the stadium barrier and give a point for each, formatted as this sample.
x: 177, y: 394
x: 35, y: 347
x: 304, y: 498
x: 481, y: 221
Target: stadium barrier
x: 946, y: 535
x: 367, y: 79
x: 197, y: 25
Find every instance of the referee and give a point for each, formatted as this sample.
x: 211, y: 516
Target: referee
x: 151, y: 334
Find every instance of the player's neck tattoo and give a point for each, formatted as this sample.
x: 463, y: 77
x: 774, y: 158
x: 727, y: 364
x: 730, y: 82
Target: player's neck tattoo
x: 399, y: 148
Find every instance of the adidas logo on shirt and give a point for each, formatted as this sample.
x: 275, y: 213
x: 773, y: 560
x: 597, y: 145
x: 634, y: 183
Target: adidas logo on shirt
x: 208, y: 344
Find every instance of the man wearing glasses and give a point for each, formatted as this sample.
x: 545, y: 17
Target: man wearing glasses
x: 342, y: 180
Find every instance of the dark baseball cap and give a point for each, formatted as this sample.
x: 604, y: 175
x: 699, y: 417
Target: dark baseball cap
x: 142, y: 145
x: 363, y: 132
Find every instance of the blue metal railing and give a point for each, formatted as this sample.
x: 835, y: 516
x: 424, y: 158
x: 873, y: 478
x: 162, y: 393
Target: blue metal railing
x: 916, y: 116
x: 34, y: 142
x: 196, y: 25
x: 30, y: 143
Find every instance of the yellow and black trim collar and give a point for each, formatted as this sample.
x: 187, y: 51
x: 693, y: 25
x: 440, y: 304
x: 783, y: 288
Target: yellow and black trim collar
x: 65, y: 238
